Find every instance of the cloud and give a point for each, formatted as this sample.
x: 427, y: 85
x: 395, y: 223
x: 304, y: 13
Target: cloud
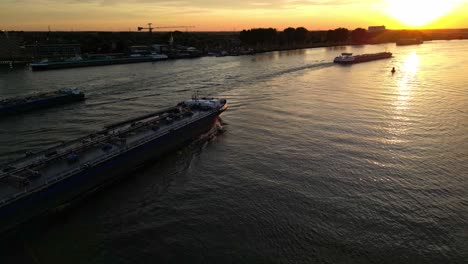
x: 205, y: 4
x: 162, y: 9
x: 105, y: 14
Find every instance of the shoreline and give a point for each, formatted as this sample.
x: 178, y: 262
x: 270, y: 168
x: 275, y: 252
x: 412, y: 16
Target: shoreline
x: 23, y: 63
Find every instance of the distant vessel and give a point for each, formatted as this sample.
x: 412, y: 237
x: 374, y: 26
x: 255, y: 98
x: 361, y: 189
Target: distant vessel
x: 410, y: 41
x: 348, y: 58
x: 79, y: 62
x: 158, y: 57
x: 42, y: 100
x: 43, y: 181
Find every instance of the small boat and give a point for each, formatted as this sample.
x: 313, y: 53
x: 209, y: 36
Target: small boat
x: 158, y: 57
x: 349, y: 58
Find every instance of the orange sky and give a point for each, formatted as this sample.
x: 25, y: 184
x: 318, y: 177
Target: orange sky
x: 215, y: 15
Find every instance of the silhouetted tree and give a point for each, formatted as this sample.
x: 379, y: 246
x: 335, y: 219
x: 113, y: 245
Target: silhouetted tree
x: 259, y: 36
x: 359, y: 35
x: 338, y: 35
x: 301, y: 35
x: 289, y: 34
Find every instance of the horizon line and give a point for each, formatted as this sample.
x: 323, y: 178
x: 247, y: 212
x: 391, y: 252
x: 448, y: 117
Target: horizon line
x: 218, y: 31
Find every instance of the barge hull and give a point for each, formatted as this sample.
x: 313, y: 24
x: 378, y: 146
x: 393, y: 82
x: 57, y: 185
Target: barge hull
x: 86, y: 182
x: 41, y: 104
x: 361, y: 60
x: 90, y: 63
x: 348, y: 58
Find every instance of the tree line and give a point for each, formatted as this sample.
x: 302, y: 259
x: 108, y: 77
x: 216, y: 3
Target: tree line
x: 301, y: 36
x: 256, y: 38
x: 120, y: 42
x: 297, y: 37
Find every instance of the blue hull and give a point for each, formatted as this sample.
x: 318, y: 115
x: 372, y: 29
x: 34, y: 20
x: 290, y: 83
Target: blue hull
x: 40, y: 104
x: 85, y: 183
x: 89, y: 63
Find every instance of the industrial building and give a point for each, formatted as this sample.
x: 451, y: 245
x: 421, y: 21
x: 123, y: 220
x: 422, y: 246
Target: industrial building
x: 372, y: 29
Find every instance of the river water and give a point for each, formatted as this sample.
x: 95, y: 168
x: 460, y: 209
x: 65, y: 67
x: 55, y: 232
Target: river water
x: 319, y: 163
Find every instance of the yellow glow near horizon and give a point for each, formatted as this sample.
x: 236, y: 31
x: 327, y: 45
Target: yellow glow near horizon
x: 419, y: 12
x: 209, y: 15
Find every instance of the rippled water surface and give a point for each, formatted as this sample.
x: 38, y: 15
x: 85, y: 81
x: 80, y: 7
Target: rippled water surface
x: 319, y: 163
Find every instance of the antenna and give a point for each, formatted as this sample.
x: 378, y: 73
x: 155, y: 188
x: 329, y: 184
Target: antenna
x: 195, y: 95
x: 171, y: 40
x: 48, y: 33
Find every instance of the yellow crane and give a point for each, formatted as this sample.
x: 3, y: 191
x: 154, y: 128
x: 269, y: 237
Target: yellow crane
x: 150, y: 27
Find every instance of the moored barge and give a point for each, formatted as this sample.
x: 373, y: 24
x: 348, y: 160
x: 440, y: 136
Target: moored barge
x: 79, y: 62
x: 40, y: 182
x: 41, y: 100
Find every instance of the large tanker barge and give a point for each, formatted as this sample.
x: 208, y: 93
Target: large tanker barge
x: 40, y: 182
x: 349, y: 58
x: 41, y: 100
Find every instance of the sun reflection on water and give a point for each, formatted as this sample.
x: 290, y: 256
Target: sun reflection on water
x: 404, y: 92
x: 411, y: 63
x: 408, y: 80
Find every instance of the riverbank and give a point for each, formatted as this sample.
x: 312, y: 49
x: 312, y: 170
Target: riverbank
x: 60, y: 46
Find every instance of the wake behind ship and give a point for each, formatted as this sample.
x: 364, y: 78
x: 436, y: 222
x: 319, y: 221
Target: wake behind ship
x: 40, y: 182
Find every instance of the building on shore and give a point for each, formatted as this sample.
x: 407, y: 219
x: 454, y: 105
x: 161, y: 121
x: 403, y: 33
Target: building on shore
x: 53, y: 51
x: 373, y: 29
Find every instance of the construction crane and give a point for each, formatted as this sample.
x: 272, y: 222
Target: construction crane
x: 150, y: 27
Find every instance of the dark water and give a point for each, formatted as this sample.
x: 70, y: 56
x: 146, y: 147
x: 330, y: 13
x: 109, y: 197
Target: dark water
x: 319, y: 163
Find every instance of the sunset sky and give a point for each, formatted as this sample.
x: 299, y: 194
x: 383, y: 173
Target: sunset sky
x: 216, y: 15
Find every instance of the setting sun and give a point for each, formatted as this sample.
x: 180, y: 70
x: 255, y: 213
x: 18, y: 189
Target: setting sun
x: 419, y: 12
